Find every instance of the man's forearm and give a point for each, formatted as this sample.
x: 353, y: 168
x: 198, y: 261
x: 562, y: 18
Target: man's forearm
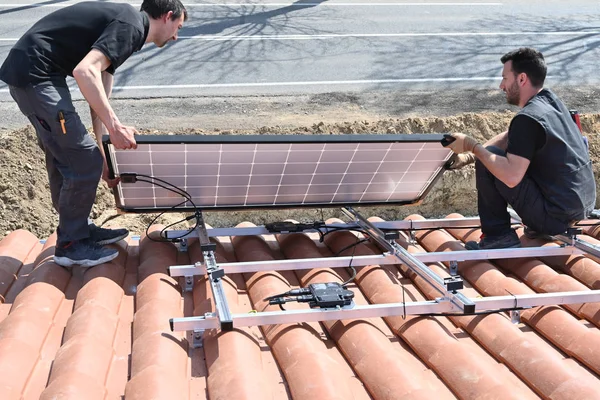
x: 501, y: 167
x: 97, y: 124
x: 90, y: 83
x: 500, y: 141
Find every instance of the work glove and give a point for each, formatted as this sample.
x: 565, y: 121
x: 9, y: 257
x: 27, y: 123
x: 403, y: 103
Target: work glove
x: 460, y: 143
x: 462, y: 160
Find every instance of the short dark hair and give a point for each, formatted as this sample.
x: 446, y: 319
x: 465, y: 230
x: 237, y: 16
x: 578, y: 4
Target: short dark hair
x: 158, y: 8
x: 529, y: 61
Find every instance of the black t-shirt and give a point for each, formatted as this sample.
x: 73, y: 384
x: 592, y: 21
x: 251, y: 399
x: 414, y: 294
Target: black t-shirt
x: 525, y: 137
x: 54, y: 45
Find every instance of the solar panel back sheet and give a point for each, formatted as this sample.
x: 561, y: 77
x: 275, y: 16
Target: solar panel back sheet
x: 266, y: 171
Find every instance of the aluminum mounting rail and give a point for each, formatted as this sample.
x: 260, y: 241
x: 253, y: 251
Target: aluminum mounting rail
x: 215, y: 273
x: 413, y: 263
x: 383, y: 259
x: 580, y: 244
x: 484, y: 305
x: 441, y: 223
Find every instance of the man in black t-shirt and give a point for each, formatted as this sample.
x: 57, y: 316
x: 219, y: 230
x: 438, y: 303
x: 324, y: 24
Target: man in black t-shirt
x: 87, y: 41
x: 540, y: 166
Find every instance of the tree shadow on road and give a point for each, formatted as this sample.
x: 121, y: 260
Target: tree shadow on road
x: 30, y: 6
x: 242, y: 27
x: 571, y: 57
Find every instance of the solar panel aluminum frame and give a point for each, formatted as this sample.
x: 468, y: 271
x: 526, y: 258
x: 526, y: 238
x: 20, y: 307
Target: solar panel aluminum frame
x: 268, y: 139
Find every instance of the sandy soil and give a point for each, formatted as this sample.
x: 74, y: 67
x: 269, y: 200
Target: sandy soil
x: 25, y: 199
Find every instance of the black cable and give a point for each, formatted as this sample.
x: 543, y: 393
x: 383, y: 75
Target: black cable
x: 350, y: 246
x: 331, y: 229
x: 183, y: 192
x: 276, y: 296
x: 488, y: 312
x: 354, y: 273
x: 174, y: 189
x: 403, y: 302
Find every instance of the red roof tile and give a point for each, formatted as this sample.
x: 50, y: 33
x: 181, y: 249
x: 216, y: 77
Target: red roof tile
x: 104, y: 332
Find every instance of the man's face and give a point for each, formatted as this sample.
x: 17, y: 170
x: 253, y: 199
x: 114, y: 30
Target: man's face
x: 509, y: 84
x: 169, y: 29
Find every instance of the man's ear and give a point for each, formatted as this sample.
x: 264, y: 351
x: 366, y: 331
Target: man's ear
x: 169, y: 16
x: 522, y: 78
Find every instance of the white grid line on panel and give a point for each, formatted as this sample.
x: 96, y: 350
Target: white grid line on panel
x: 258, y: 163
x: 376, y: 171
x: 113, y: 156
x: 287, y: 157
x: 251, y: 170
x: 259, y: 186
x: 152, y: 174
x: 405, y: 172
x: 218, y: 173
x: 430, y: 180
x: 185, y: 165
x: 251, y: 196
x: 314, y: 173
x: 345, y: 172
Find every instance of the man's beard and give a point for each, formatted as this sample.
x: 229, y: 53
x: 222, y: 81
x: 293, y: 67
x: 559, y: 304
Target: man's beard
x: 513, y: 95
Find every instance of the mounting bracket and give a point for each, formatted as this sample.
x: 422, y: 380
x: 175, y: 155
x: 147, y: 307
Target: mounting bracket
x: 450, y: 301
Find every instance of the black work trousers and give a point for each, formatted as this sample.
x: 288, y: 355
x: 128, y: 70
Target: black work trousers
x: 73, y: 159
x: 526, y: 199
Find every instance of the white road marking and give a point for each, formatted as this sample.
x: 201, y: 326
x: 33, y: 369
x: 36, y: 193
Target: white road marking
x: 323, y: 4
x: 304, y: 83
x: 368, y: 35
x: 380, y: 35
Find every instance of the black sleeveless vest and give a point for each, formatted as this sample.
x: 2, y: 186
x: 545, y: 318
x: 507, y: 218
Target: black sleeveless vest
x: 562, y: 167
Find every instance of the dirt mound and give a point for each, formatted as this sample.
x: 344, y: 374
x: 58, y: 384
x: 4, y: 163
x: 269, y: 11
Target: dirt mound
x: 25, y: 198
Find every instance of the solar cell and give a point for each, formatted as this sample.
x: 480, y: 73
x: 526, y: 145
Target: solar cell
x: 235, y: 172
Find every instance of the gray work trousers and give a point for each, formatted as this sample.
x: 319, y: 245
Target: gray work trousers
x: 526, y: 199
x: 73, y: 160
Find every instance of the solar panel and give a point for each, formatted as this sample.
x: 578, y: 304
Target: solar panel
x: 278, y: 171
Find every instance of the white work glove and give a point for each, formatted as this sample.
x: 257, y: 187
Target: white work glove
x: 462, y: 160
x: 461, y: 143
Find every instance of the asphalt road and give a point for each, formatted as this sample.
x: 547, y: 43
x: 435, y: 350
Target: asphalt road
x: 332, y: 46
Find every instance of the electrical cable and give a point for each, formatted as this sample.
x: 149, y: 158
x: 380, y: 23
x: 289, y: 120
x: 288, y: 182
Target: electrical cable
x: 337, y: 254
x: 488, y: 312
x: 354, y: 273
x: 174, y: 189
x: 331, y: 229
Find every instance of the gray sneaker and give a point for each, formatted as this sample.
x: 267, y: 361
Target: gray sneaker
x: 104, y: 236
x: 507, y: 241
x: 82, y: 252
x: 532, y: 234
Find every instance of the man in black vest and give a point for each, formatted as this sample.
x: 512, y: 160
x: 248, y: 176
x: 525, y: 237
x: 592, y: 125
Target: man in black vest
x: 540, y: 166
x: 87, y: 41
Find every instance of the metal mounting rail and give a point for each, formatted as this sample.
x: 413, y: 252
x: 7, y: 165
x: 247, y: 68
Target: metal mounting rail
x: 441, y: 223
x: 383, y: 259
x: 484, y: 305
x: 459, y: 299
x: 580, y: 244
x: 215, y: 274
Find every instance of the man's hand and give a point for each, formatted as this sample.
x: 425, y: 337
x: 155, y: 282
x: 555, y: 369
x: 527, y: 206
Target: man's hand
x: 462, y: 143
x: 462, y: 160
x: 105, y: 176
x: 122, y: 137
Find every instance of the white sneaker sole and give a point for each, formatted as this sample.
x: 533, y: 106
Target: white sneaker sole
x: 113, y: 240
x: 67, y: 262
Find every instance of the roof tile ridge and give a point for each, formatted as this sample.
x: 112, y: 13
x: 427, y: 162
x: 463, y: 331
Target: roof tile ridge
x: 451, y: 359
x: 553, y: 322
x: 310, y: 368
